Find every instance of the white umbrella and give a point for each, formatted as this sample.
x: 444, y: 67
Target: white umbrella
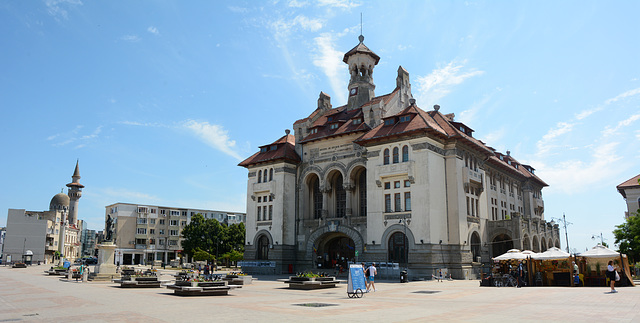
x: 551, y: 253
x: 512, y: 254
x: 600, y: 251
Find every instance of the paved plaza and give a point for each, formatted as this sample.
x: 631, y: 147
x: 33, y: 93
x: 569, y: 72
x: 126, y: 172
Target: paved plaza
x: 30, y: 295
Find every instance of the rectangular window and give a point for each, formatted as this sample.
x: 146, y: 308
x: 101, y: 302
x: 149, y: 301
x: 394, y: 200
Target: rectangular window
x: 173, y: 242
x: 270, y: 198
x: 407, y: 201
x: 387, y: 185
x: 264, y: 212
x: 152, y: 231
x: 153, y: 211
x: 161, y: 221
x: 334, y: 126
x: 270, y: 212
x: 142, y: 231
x: 389, y: 122
x: 141, y: 241
x: 183, y: 223
x: 161, y: 231
x: 142, y: 220
x: 387, y: 202
x: 175, y: 212
x: 407, y: 183
x: 405, y: 118
x: 468, y: 211
x: 258, y: 213
x: 152, y: 241
x: 396, y: 184
x: 398, y: 205
x: 173, y: 223
x: 259, y: 199
x: 173, y: 233
x: 152, y: 221
x: 161, y: 242
x: 357, y: 121
x: 142, y: 210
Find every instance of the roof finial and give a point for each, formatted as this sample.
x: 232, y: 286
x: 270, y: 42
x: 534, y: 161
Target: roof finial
x: 287, y: 131
x: 361, y: 38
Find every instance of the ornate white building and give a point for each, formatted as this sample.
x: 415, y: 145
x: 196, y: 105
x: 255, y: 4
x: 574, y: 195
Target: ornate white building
x: 380, y: 179
x: 48, y: 234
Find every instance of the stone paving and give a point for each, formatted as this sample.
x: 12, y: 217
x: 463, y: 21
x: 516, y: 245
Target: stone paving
x: 30, y: 295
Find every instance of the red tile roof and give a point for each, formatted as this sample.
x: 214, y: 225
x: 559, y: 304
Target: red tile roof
x: 344, y: 121
x: 630, y: 183
x: 284, y: 150
x: 361, y: 48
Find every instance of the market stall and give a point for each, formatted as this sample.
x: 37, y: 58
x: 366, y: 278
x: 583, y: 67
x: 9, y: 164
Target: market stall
x: 593, y: 263
x: 552, y: 268
x: 506, y: 265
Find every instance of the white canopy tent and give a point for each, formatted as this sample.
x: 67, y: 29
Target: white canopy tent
x: 515, y: 254
x: 600, y: 251
x: 552, y: 253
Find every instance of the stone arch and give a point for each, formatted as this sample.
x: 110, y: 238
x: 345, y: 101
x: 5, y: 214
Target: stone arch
x: 535, y: 244
x: 325, y: 229
x: 526, y: 242
x: 308, y: 170
x: 260, y: 233
x: 550, y: 244
x: 543, y: 244
x: 501, y: 241
x: 393, y: 229
x: 557, y: 243
x: 475, y: 244
x: 331, y: 168
x: 312, y: 197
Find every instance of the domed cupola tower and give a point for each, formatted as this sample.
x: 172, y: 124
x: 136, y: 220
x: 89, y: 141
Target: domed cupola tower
x: 75, y: 193
x: 361, y: 61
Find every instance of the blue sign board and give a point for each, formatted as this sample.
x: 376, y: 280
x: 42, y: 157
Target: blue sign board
x: 356, y: 279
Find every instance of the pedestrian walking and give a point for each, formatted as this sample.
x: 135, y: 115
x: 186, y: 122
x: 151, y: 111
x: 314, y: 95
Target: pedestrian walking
x: 372, y: 274
x: 611, y: 274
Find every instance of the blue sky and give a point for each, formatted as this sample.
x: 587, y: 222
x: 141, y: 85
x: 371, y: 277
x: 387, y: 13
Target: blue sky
x: 160, y: 100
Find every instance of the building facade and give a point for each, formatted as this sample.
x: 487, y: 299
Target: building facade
x: 379, y: 179
x: 630, y: 191
x: 145, y: 234
x: 89, y: 245
x: 50, y: 235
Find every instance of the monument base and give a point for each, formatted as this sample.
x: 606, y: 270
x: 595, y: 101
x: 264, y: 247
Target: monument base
x: 106, y: 270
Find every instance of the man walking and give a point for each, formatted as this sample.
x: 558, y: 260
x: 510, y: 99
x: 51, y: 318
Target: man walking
x: 372, y: 273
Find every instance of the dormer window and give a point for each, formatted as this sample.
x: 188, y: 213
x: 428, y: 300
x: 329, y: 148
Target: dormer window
x: 334, y: 126
x: 273, y: 147
x: 389, y: 122
x: 263, y: 149
x: 330, y: 118
x: 314, y: 130
x: 357, y: 121
x: 405, y: 118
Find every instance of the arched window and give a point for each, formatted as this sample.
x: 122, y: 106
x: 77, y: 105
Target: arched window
x: 341, y: 197
x: 386, y: 156
x: 263, y: 248
x: 362, y: 189
x: 264, y: 178
x: 396, y: 157
x: 259, y: 176
x: 398, y: 248
x: 270, y: 174
x: 475, y: 246
x: 317, y: 198
x: 405, y: 153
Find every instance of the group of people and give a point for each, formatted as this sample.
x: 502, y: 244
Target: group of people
x: 207, y: 271
x: 369, y: 276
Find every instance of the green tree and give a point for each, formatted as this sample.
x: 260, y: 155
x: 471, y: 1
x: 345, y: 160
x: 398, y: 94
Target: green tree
x: 628, y: 237
x: 201, y: 255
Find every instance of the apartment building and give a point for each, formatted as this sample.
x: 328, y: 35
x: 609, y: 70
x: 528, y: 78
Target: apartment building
x: 146, y: 234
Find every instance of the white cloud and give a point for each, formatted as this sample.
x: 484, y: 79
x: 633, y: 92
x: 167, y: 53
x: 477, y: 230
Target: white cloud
x: 298, y: 4
x: 544, y: 145
x: 608, y: 131
x: 433, y: 87
x: 308, y: 23
x: 345, y: 4
x: 574, y: 176
x: 213, y: 135
x: 585, y: 113
x: 130, y: 38
x: 623, y: 95
x: 329, y: 59
x: 58, y: 8
x: 153, y: 30
x: 74, y: 136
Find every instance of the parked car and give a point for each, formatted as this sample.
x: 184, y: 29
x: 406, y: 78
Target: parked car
x: 90, y: 260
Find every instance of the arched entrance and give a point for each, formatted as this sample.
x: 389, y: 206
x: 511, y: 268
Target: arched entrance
x: 398, y: 248
x: 536, y: 246
x: 501, y: 244
x: 335, y: 249
x: 262, y: 252
x: 543, y: 245
x: 475, y: 247
x: 526, y: 244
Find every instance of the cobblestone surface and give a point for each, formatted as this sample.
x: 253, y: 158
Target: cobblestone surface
x: 30, y: 295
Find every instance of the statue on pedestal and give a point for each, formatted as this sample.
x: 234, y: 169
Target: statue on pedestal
x: 108, y: 227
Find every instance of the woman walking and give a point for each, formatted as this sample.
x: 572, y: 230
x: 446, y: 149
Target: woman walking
x: 611, y: 274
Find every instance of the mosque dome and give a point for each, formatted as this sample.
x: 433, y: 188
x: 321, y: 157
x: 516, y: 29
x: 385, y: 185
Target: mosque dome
x: 59, y: 201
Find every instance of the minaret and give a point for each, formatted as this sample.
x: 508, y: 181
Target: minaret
x: 361, y: 61
x: 75, y: 193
